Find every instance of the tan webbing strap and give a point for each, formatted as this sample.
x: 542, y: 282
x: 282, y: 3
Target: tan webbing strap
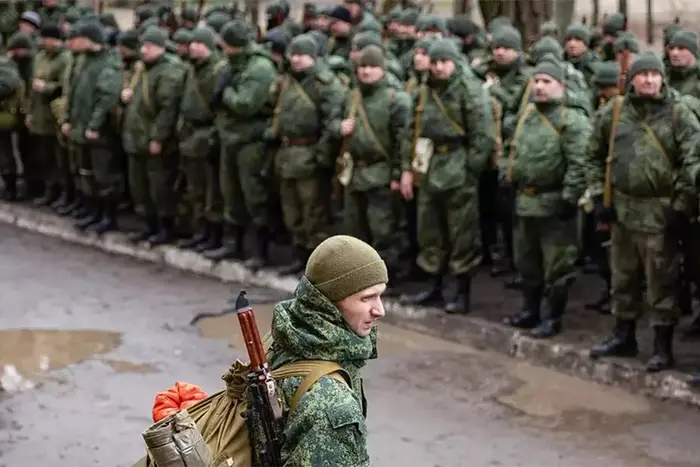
x: 518, y: 130
x: 607, y: 188
x: 354, y: 104
x: 366, y: 123
x: 455, y: 126
x: 526, y: 94
x: 278, y: 107
x: 311, y: 371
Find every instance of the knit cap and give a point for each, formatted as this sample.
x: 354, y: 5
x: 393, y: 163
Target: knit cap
x: 432, y: 23
x: 685, y: 38
x: 549, y: 29
x: 19, y: 40
x: 303, y: 44
x: 507, y: 37
x: 646, y: 62
x: 205, y: 35
x: 341, y: 13
x: 189, y: 14
x: 363, y: 39
x: 32, y: 18
x: 443, y: 49
x: 276, y: 40
x: 93, y: 31
x: 50, y: 30
x: 217, y: 21
x: 129, y: 39
x: 578, y: 31
x: 606, y: 74
x: 499, y: 22
x: 550, y: 66
x: 236, y: 33
x: 182, y: 36
x: 321, y: 40
x: 462, y: 26
x: 626, y: 41
x: 669, y: 31
x: 155, y: 36
x: 72, y: 15
x: 342, y: 265
x: 409, y: 17
x: 614, y: 24
x: 372, y: 55
x: 546, y: 45
x: 424, y: 43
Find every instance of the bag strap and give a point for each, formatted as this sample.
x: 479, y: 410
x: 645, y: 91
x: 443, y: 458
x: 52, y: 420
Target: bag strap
x: 456, y: 126
x: 311, y: 371
x: 518, y: 130
x: 526, y: 94
x: 365, y: 121
x: 195, y: 85
x: 607, y: 187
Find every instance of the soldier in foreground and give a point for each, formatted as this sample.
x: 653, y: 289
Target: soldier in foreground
x: 332, y: 317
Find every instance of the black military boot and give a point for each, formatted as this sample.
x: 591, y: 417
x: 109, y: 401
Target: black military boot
x: 232, y: 247
x: 298, y: 264
x: 461, y: 303
x: 93, y: 215
x: 81, y: 209
x: 165, y: 234
x: 602, y: 305
x: 201, y: 236
x: 551, y: 326
x: 64, y: 198
x: 151, y: 228
x: 430, y: 296
x: 260, y: 258
x: 213, y: 241
x: 75, y: 203
x: 529, y: 316
x: 108, y: 221
x: 662, y: 358
x: 10, y: 182
x: 48, y: 197
x: 623, y: 342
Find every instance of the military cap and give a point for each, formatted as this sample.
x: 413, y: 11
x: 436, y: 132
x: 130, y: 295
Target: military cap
x: 340, y: 13
x: 424, y: 43
x: 129, y: 39
x: 236, y: 33
x: 93, y: 31
x: 151, y: 22
x: 647, y: 61
x: 394, y: 13
x: 578, y: 31
x: 507, y: 37
x: 32, y: 18
x: 71, y: 15
x: 499, y: 22
x: 432, y: 23
x: 626, y: 41
x: 217, y: 21
x: 549, y: 65
x: 606, y: 74
x: 50, y: 30
x: 614, y: 24
x: 321, y: 41
x: 189, y: 14
x: 409, y: 17
x: 19, y: 40
x: 443, y: 49
x: 549, y: 28
x: 303, y: 44
x: 182, y: 36
x: 546, y: 45
x: 686, y: 39
x: 462, y: 26
x: 205, y: 35
x: 276, y: 40
x: 144, y: 12
x: 108, y: 19
x: 155, y: 36
x: 370, y: 26
x: 372, y: 55
x: 364, y: 39
x: 669, y: 31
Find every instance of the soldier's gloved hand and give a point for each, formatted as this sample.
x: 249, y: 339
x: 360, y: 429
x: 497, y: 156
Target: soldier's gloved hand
x: 603, y: 214
x: 567, y: 211
x: 675, y: 221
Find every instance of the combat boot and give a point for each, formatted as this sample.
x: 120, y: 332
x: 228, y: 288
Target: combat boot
x: 529, y: 316
x: 142, y: 235
x: 213, y: 241
x: 430, y: 296
x: 201, y: 236
x: 10, y: 181
x: 260, y: 257
x: 108, y: 222
x: 662, y: 358
x: 551, y: 326
x: 82, y: 209
x: 623, y: 342
x: 68, y: 209
x: 93, y: 215
x: 64, y: 199
x: 47, y: 198
x: 298, y: 264
x: 232, y: 247
x: 165, y: 234
x: 461, y: 303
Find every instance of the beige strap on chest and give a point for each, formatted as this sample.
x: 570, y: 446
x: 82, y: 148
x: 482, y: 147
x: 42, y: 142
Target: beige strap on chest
x: 518, y: 131
x: 443, y: 110
x: 367, y: 124
x: 310, y: 371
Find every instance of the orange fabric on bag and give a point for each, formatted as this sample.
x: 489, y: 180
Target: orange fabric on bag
x: 178, y: 397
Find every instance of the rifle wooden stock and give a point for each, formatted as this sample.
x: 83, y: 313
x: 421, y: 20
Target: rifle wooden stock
x: 251, y: 334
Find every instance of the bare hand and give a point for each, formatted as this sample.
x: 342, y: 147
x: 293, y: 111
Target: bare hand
x: 154, y: 147
x: 347, y: 126
x: 65, y: 129
x: 127, y: 94
x: 395, y: 185
x: 407, y: 184
x: 38, y: 85
x: 92, y: 135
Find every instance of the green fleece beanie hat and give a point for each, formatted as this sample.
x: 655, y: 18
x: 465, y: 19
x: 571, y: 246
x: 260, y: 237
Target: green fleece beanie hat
x: 549, y: 65
x: 205, y: 35
x: 606, y: 74
x: 342, y: 265
x: 626, y: 41
x: 646, y: 62
x: 686, y: 39
x: 578, y: 31
x: 443, y: 49
x: 155, y: 36
x: 507, y: 37
x: 304, y: 44
x: 236, y: 33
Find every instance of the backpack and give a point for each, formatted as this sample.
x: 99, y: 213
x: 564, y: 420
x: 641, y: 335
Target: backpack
x: 219, y: 417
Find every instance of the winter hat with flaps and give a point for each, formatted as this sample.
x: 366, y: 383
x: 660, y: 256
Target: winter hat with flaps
x: 182, y: 36
x: 304, y: 44
x: 443, y: 49
x: 93, y: 31
x: 236, y: 33
x: 646, y: 62
x: 550, y: 66
x: 578, y: 31
x: 342, y: 266
x: 686, y: 39
x: 507, y: 37
x: 155, y: 36
x: 129, y: 39
x: 626, y: 41
x: 372, y: 55
x: 205, y: 35
x: 606, y: 74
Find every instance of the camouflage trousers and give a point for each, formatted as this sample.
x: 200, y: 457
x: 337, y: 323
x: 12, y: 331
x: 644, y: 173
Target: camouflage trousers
x: 8, y: 163
x: 203, y: 191
x: 545, y: 251
x: 448, y: 230
x: 244, y: 190
x: 99, y: 171
x: 657, y: 257
x: 152, y: 184
x: 371, y: 215
x: 305, y: 210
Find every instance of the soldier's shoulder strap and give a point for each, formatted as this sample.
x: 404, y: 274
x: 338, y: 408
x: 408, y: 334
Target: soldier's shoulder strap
x: 311, y: 371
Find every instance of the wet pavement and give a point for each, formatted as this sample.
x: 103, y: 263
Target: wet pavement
x: 98, y: 336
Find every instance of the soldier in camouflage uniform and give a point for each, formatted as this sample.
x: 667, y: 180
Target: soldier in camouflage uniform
x: 199, y: 142
x: 394, y: 72
x: 331, y: 317
x: 613, y: 26
x: 473, y: 42
x: 189, y: 18
x: 577, y: 52
x: 545, y: 166
x: 340, y: 29
x: 453, y: 123
x: 51, y: 11
x: 655, y: 161
x: 182, y: 39
x: 278, y: 16
x: 307, y: 101
x: 93, y: 96
x: 10, y: 104
x: 408, y: 35
x: 48, y: 164
x: 8, y: 20
x: 374, y: 121
x: 148, y: 136
x: 243, y: 114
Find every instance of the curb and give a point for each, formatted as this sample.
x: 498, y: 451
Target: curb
x: 480, y: 333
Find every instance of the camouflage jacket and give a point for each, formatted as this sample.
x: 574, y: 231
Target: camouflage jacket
x: 308, y: 121
x: 586, y: 65
x: 510, y: 86
x: 8, y: 20
x: 10, y: 81
x: 328, y: 425
x: 381, y: 114
x: 94, y: 93
x: 456, y: 119
x: 685, y: 81
x: 51, y: 14
x: 51, y: 68
x: 655, y: 161
x: 245, y: 108
x: 152, y: 113
x: 197, y: 130
x: 546, y: 159
x: 340, y: 46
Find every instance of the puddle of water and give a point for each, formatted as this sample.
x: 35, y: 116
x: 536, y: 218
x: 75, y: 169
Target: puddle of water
x: 392, y: 340
x: 25, y: 353
x: 121, y: 366
x: 546, y: 393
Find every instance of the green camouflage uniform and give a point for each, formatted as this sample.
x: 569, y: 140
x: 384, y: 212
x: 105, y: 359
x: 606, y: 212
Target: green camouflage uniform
x: 328, y: 426
x: 10, y: 102
x: 51, y: 14
x: 8, y: 20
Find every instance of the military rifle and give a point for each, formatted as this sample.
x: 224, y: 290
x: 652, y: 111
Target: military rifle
x: 264, y: 413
